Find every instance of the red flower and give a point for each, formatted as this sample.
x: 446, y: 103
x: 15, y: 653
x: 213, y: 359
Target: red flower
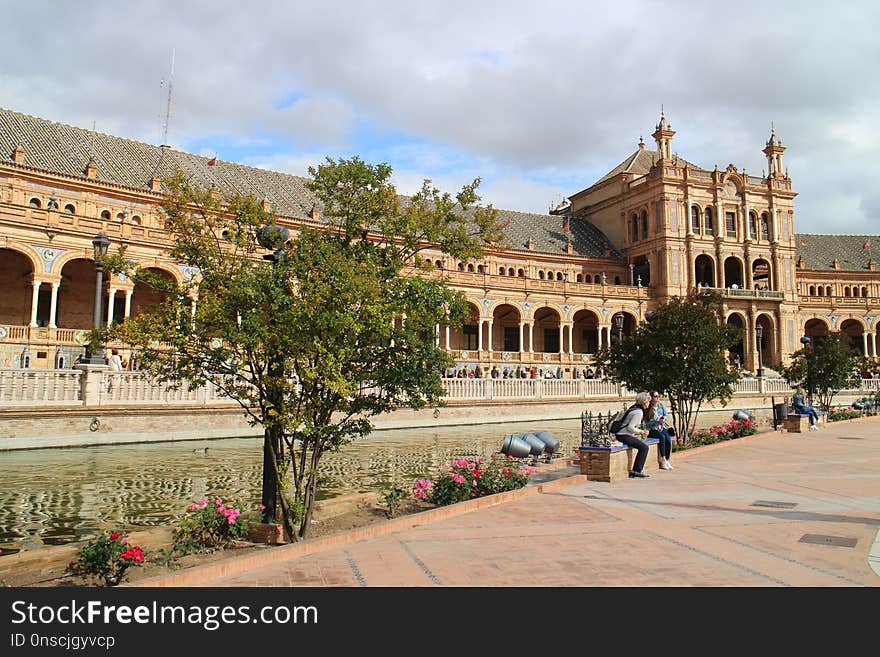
x: 135, y: 554
x: 115, y: 535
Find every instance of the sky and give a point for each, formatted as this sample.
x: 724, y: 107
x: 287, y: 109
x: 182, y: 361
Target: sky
x: 537, y: 99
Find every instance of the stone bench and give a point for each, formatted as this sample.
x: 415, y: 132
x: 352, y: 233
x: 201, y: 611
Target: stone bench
x: 614, y: 463
x: 800, y: 422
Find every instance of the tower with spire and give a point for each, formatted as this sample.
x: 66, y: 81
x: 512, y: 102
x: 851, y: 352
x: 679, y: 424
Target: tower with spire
x: 663, y: 137
x: 774, y: 151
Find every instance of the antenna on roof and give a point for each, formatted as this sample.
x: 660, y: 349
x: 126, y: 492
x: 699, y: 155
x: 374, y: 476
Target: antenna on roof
x: 168, y: 106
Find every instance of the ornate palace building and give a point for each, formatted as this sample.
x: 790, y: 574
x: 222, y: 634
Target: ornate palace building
x: 561, y: 286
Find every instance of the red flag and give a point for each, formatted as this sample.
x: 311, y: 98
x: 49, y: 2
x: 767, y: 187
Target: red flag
x: 866, y: 244
x: 212, y: 161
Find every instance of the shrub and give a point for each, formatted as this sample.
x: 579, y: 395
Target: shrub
x: 719, y: 432
x: 840, y: 413
x: 466, y: 480
x: 107, y: 558
x: 391, y: 497
x: 208, y: 525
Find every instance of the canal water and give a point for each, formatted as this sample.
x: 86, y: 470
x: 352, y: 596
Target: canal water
x: 56, y: 496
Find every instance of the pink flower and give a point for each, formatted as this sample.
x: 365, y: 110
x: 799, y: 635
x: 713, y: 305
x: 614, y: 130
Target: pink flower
x: 115, y: 535
x: 193, y: 507
x: 262, y: 507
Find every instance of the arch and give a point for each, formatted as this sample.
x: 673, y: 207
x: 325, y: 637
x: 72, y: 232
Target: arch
x: 120, y: 217
x: 761, y: 275
x: 767, y: 344
x: 617, y: 280
x: 597, y: 280
x: 560, y: 276
x: 812, y: 292
x: 506, y: 320
x: 541, y: 274
x: 733, y: 272
x: 35, y: 203
x: 704, y: 271
x: 708, y: 221
x: 579, y: 278
x: 521, y: 273
x: 816, y: 329
x: 502, y: 271
x: 76, y: 296
x: 846, y: 291
x: 481, y: 269
x: 70, y: 208
x: 460, y: 266
x: 136, y: 220
x: 853, y: 329
x: 545, y: 329
x: 146, y: 295
x: 585, y: 332
x: 465, y: 337
x: 737, y: 353
x: 470, y: 268
x: 864, y: 291
x: 105, y: 215
x: 827, y: 290
x: 438, y: 264
x: 16, y: 276
x: 511, y: 272
x: 626, y: 329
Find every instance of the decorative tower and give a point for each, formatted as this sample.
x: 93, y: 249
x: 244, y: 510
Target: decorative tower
x: 663, y: 136
x: 774, y: 151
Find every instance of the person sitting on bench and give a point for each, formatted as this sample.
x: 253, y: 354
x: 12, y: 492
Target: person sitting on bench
x: 802, y: 408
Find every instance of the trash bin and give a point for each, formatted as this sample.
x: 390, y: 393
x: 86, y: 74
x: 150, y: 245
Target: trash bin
x: 780, y: 412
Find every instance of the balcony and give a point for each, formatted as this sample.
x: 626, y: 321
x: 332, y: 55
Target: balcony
x: 746, y: 294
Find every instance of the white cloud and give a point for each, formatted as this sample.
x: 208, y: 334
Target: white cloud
x: 511, y: 91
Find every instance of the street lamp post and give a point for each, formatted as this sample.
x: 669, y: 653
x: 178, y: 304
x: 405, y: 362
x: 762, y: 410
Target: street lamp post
x: 759, y: 331
x: 100, y: 244
x: 618, y: 322
x: 805, y: 340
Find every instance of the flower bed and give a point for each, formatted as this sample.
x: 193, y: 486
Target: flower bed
x: 466, y: 480
x: 730, y: 431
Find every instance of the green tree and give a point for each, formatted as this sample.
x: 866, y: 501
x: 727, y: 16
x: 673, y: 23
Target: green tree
x: 823, y: 367
x: 316, y: 332
x: 679, y: 351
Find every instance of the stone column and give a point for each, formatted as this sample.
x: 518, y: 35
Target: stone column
x: 874, y: 344
x: 437, y: 336
x: 571, y: 338
x: 447, y: 338
x: 865, y: 340
x: 532, y: 338
x: 600, y: 330
x: 111, y: 301
x: 128, y: 294
x: 480, y: 335
x: 561, y: 335
x: 490, y: 336
x: 53, y: 307
x: 521, y: 344
x: 35, y: 301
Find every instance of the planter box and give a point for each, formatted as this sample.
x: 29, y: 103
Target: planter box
x: 267, y: 534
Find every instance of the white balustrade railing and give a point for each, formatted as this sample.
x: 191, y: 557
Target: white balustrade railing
x: 19, y: 387
x: 36, y: 387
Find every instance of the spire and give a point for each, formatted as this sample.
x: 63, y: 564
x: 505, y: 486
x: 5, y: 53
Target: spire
x: 663, y: 136
x: 774, y: 151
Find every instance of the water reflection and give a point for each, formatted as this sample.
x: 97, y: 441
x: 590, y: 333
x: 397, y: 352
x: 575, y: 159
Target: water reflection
x: 55, y: 496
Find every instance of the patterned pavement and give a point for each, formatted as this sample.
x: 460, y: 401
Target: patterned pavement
x: 774, y: 509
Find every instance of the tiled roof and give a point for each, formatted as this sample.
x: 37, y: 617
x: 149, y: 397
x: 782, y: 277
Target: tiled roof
x: 640, y: 163
x: 64, y: 149
x: 820, y: 251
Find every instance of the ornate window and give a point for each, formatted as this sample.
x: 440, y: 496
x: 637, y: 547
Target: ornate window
x: 35, y: 203
x: 644, y: 225
x: 730, y: 223
x: 753, y: 225
x: 70, y: 209
x: 695, y: 219
x: 708, y: 223
x: 634, y: 227
x: 765, y: 226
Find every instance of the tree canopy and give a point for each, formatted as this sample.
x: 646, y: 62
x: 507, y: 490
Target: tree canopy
x: 823, y: 367
x: 679, y: 351
x: 317, y: 331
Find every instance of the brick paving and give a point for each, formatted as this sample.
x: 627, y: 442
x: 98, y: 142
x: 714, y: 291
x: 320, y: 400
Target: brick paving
x: 774, y: 509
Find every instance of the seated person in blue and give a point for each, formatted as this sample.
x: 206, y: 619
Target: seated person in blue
x: 658, y: 427
x: 802, y: 408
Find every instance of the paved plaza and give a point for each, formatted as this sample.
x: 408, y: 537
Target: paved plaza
x: 774, y: 509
